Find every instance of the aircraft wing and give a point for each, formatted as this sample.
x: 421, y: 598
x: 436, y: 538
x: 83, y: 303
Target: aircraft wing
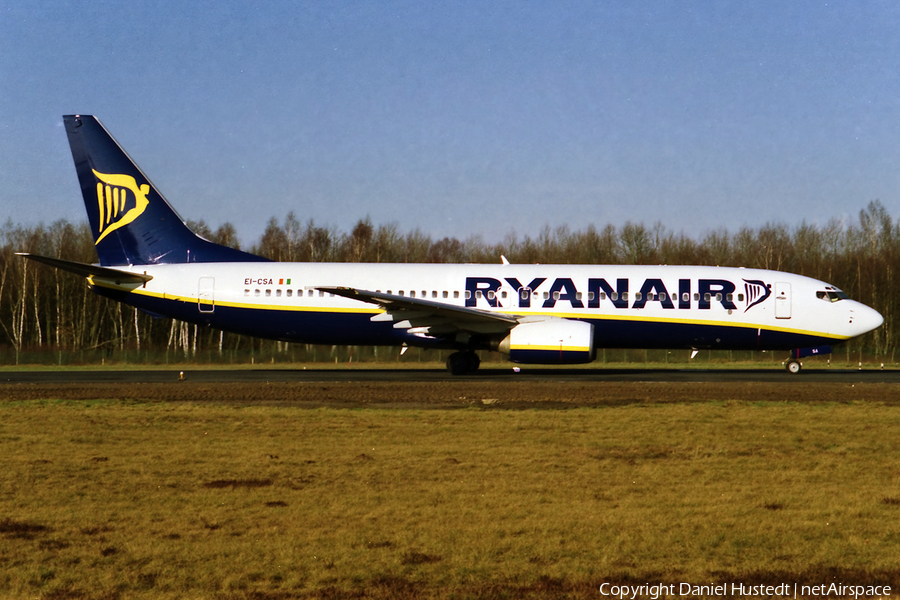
x: 428, y: 318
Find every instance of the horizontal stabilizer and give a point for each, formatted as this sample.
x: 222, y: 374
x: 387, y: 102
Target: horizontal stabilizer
x: 86, y: 270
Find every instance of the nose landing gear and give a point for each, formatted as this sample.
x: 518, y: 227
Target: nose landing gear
x: 793, y: 366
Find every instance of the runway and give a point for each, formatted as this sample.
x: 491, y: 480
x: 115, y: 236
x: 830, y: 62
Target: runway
x: 493, y: 374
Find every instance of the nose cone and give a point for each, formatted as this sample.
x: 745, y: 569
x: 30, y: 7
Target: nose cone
x: 863, y: 319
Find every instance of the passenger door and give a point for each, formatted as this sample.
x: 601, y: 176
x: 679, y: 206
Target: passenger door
x: 206, y: 297
x: 782, y: 300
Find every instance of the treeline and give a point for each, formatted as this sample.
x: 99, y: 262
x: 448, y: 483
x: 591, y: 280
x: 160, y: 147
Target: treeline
x: 42, y: 309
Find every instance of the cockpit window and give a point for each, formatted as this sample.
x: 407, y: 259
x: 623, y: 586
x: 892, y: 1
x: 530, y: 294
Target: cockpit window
x: 832, y: 295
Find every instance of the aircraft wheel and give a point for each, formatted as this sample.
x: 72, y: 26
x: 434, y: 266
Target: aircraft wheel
x: 474, y: 361
x: 793, y: 366
x: 458, y: 363
x: 461, y: 363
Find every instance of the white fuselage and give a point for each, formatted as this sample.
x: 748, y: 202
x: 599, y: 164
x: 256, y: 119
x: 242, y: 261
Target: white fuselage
x: 629, y: 306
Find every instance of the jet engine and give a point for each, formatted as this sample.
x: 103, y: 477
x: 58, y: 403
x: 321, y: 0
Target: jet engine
x: 549, y: 340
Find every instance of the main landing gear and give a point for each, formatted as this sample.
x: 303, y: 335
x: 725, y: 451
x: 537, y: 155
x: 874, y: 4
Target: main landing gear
x: 793, y: 366
x: 461, y: 363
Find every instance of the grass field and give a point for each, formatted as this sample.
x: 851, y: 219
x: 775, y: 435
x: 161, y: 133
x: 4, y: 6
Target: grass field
x: 126, y: 499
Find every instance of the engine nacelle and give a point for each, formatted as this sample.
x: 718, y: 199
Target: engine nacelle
x: 550, y: 341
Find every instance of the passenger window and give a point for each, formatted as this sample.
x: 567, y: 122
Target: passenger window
x: 578, y: 295
x: 556, y: 295
x: 468, y: 294
x: 546, y: 295
x: 491, y: 295
x: 625, y: 296
x: 591, y: 295
x: 412, y: 293
x: 637, y: 296
x: 289, y: 292
x: 256, y: 292
x: 729, y: 297
x: 685, y: 297
x: 278, y: 293
x: 268, y: 293
x: 434, y: 293
x: 456, y: 294
x: 740, y: 297
x: 719, y: 297
x: 697, y: 297
x: 246, y: 292
x: 706, y: 297
x: 445, y: 294
x: 503, y: 294
x: 478, y: 294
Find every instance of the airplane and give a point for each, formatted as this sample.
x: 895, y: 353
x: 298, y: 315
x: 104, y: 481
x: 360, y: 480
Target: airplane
x: 532, y: 313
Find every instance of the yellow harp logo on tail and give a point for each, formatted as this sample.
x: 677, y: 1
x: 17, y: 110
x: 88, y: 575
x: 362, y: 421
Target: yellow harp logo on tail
x: 118, y: 207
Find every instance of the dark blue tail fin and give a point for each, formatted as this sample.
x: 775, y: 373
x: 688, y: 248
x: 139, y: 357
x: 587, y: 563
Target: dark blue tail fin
x: 131, y: 221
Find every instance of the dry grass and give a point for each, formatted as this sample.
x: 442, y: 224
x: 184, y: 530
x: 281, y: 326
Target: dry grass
x: 160, y: 500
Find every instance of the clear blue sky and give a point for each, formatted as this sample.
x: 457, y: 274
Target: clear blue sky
x: 462, y: 118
